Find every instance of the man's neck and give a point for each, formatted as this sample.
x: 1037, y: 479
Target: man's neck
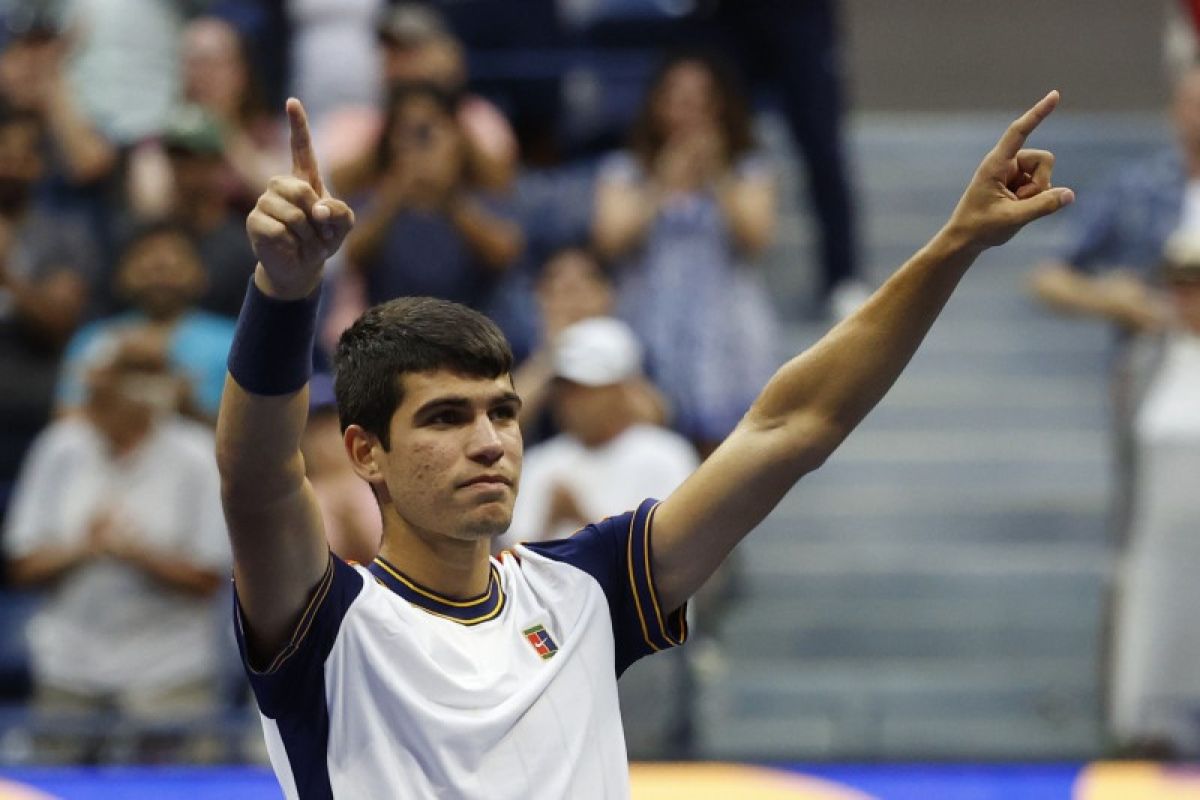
x: 454, y: 568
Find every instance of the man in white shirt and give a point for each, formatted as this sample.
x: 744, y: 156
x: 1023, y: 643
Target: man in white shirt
x: 117, y: 512
x: 438, y: 671
x: 604, y: 461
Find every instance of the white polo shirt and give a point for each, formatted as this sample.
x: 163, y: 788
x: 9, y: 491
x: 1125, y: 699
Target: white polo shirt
x: 106, y: 626
x: 389, y: 690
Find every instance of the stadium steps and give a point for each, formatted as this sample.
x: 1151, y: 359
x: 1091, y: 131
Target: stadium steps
x: 938, y: 589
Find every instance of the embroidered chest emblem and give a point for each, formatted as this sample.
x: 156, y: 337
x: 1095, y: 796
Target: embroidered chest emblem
x: 540, y: 641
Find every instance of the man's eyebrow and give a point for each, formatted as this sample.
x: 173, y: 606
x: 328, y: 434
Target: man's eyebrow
x: 508, y: 397
x: 450, y: 401
x: 461, y: 401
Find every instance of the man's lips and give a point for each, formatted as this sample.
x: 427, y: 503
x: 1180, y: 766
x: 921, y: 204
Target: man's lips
x: 487, y: 480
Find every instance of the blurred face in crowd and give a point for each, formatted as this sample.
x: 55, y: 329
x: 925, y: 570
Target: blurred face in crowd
x: 573, y: 287
x: 214, y: 73
x: 592, y: 414
x: 134, y: 386
x: 425, y: 138
x: 198, y: 177
x: 161, y: 275
x: 686, y: 100
x: 21, y: 162
x: 26, y: 66
x: 438, y: 61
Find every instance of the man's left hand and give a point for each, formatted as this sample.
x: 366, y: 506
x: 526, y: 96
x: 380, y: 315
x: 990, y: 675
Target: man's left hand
x: 1012, y: 186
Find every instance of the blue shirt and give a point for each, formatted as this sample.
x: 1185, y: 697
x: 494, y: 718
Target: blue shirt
x: 1127, y: 223
x: 199, y: 347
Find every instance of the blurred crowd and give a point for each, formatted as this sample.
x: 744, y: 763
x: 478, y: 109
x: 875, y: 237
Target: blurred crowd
x: 619, y: 254
x: 614, y: 233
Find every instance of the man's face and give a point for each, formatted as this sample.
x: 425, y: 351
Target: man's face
x: 455, y: 458
x: 586, y: 412
x: 161, y: 275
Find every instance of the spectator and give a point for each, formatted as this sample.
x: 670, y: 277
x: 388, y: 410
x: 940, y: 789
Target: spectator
x: 1156, y: 692
x: 33, y: 79
x: 348, y: 508
x: 47, y: 268
x: 161, y: 278
x: 605, y: 457
x: 117, y: 514
x: 200, y: 203
x: 572, y: 287
x: 682, y: 214
x: 418, y: 47
x: 424, y: 229
x: 217, y: 78
x: 1107, y: 271
x: 793, y: 47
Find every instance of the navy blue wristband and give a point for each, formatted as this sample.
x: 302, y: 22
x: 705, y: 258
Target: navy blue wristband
x: 273, y: 344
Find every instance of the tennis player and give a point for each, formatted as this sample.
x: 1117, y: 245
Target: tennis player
x: 437, y: 671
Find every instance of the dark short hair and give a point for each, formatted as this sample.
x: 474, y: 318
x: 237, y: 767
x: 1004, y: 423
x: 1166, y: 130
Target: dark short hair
x: 153, y: 229
x: 409, y: 334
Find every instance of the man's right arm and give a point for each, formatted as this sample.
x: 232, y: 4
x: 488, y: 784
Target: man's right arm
x: 278, y: 540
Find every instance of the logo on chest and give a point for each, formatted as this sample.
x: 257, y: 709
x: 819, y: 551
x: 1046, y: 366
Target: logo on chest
x: 540, y: 641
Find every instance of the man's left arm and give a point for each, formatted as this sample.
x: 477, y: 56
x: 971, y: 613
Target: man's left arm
x: 815, y: 400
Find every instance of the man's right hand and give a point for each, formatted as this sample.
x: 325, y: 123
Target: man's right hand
x: 296, y: 224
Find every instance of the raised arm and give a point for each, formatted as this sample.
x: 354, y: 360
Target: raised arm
x: 815, y: 400
x: 279, y: 548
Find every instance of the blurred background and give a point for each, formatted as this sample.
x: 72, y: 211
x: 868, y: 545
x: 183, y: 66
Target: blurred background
x: 659, y: 201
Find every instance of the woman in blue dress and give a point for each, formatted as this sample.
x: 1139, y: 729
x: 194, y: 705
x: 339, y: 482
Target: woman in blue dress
x: 682, y: 214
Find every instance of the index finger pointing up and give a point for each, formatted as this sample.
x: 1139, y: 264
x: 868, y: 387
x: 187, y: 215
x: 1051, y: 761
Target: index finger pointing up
x: 304, y: 160
x: 1014, y: 138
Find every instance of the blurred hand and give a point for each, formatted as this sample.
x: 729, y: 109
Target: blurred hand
x: 564, y: 508
x: 691, y: 161
x: 296, y: 224
x: 1012, y: 186
x: 1132, y: 304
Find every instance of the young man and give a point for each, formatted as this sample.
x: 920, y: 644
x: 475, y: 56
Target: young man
x: 437, y: 671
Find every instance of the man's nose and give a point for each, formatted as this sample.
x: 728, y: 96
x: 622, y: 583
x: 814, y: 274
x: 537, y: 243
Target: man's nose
x: 485, y: 445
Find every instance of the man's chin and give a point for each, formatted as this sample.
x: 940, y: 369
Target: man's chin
x: 488, y: 521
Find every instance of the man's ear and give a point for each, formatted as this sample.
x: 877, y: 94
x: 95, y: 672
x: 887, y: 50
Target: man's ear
x: 364, y: 450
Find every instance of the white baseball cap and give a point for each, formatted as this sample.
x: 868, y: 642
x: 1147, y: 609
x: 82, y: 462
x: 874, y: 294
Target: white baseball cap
x: 599, y: 351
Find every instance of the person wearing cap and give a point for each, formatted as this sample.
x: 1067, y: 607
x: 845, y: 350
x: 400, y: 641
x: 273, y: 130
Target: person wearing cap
x: 199, y: 201
x: 605, y: 459
x: 348, y: 509
x: 1155, y: 686
x: 418, y: 47
x: 117, y: 515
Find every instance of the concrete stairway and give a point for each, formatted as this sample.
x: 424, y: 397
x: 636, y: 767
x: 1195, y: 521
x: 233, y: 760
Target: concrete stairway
x: 937, y: 590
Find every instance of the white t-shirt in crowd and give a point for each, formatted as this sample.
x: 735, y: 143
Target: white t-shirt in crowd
x: 107, y: 626
x: 643, y: 461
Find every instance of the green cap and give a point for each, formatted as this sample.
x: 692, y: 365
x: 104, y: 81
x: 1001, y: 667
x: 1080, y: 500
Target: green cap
x: 191, y: 129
